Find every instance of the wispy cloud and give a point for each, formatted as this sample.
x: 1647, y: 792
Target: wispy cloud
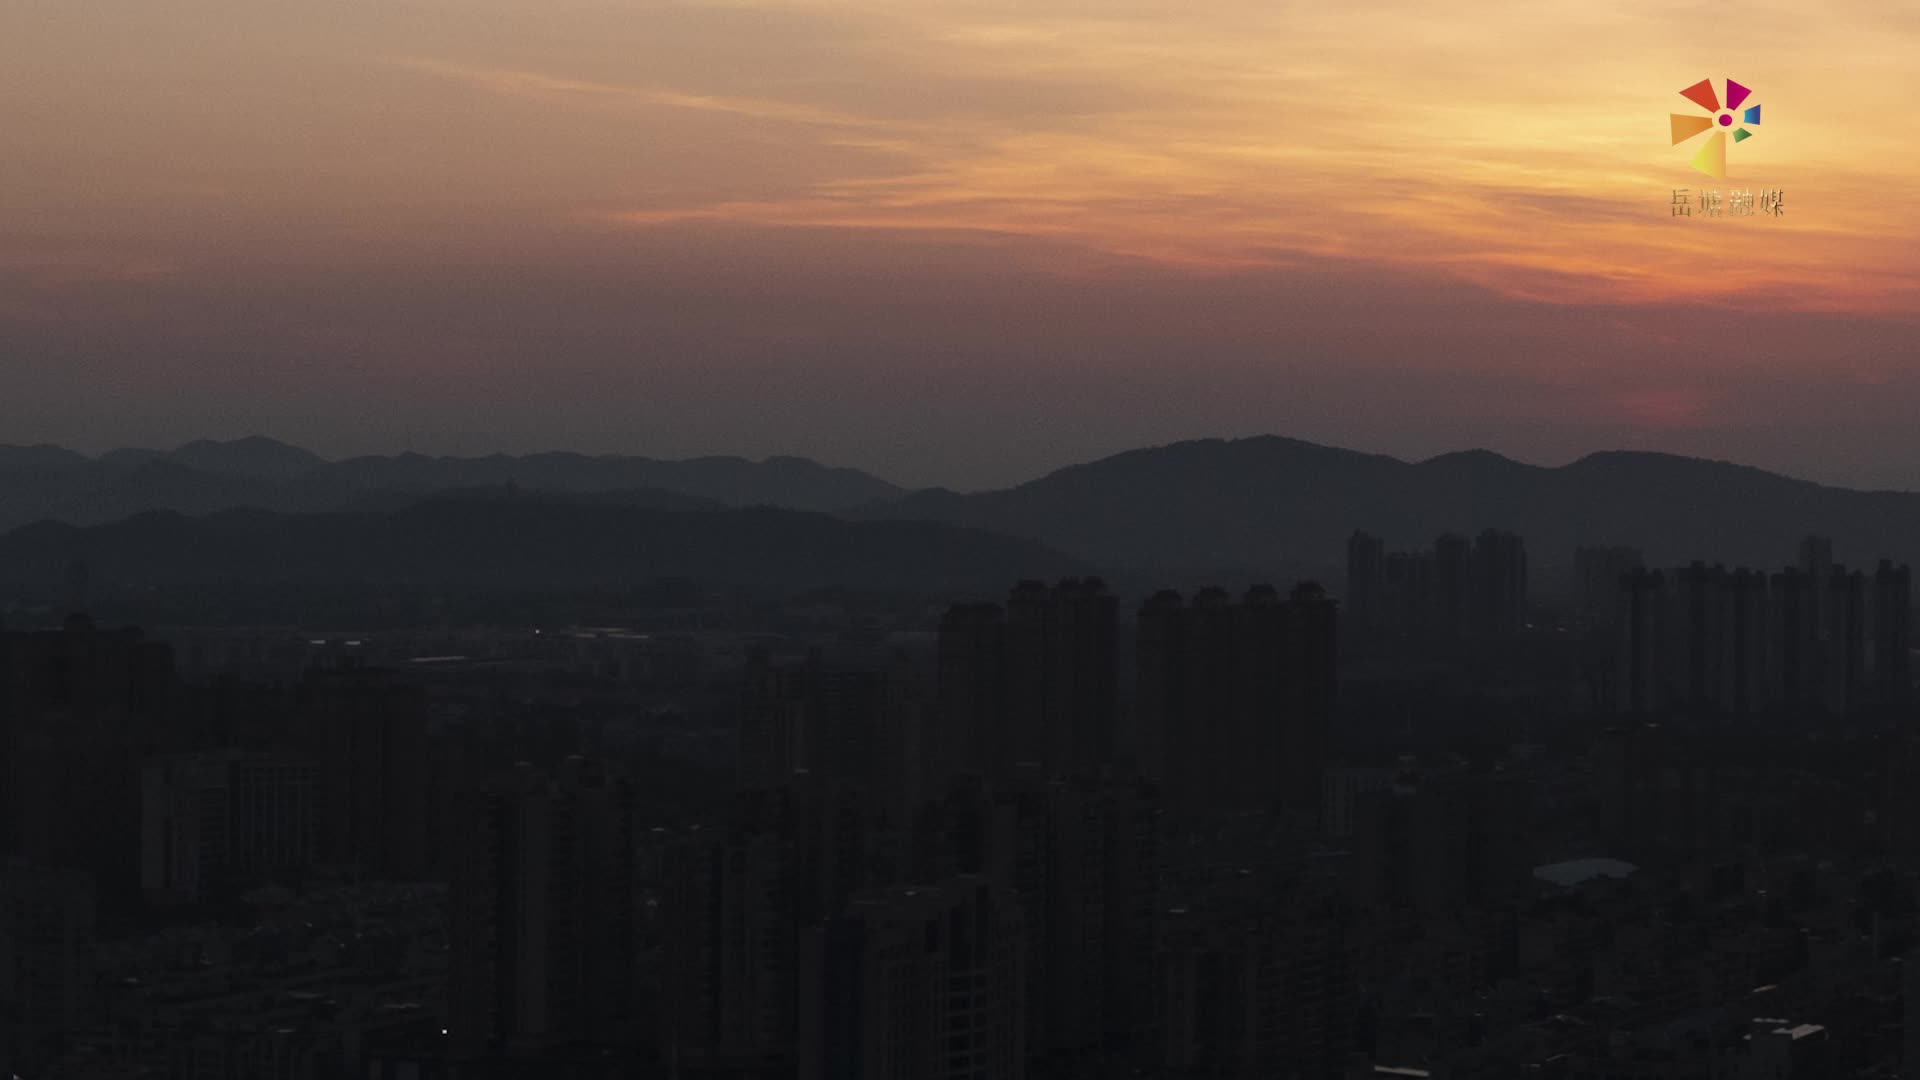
x: 533, y: 84
x: 1531, y: 161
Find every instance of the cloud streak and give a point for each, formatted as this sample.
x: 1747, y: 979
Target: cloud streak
x: 1244, y: 135
x: 1301, y: 211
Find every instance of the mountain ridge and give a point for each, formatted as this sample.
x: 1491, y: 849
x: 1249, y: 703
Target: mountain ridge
x: 1268, y: 505
x: 1271, y: 503
x: 206, y: 475
x: 517, y: 542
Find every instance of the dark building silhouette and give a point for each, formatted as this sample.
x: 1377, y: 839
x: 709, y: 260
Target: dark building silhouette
x: 47, y: 984
x: 1366, y: 582
x: 972, y: 732
x: 1745, y: 608
x: 1132, y: 820
x: 1799, y: 660
x: 1720, y: 632
x: 1088, y: 911
x: 542, y: 930
x: 1459, y: 588
x: 1597, y: 573
x: 1705, y: 639
x: 810, y: 719
x: 1642, y: 640
x: 1030, y: 686
x: 1233, y: 699
x: 1892, y: 634
x: 736, y: 897
x: 919, y: 983
x: 215, y: 822
x: 1814, y: 556
x: 960, y: 849
x: 1083, y: 859
x: 1410, y: 604
x: 1184, y: 676
x: 1258, y: 991
x: 1499, y: 604
x: 80, y: 709
x: 1061, y: 672
x: 1441, y: 840
x: 731, y: 907
x: 862, y: 728
x: 1453, y: 585
x: 1846, y: 649
x: 773, y: 722
x: 367, y: 730
x: 1082, y: 856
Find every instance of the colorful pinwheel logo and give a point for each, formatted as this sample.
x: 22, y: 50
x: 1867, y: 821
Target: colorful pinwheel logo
x: 1712, y: 158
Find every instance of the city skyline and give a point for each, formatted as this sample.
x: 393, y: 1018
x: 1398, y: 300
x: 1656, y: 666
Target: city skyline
x: 958, y: 540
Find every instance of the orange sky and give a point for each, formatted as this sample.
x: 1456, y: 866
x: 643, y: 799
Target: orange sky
x: 164, y: 163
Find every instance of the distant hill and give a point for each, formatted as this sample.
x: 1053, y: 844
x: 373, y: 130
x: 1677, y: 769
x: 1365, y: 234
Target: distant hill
x: 251, y: 456
x: 38, y: 457
x: 393, y: 501
x: 788, y: 482
x: 1283, y: 507
x: 523, y: 541
x: 1246, y: 509
x: 44, y: 482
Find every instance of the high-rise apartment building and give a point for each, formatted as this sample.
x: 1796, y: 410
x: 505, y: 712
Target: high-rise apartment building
x: 542, y: 924
x: 223, y: 820
x: 1234, y: 699
x: 916, y: 984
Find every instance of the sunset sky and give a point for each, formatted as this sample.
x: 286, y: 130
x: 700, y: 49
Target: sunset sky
x: 957, y: 241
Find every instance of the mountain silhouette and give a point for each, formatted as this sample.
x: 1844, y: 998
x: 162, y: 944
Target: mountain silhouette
x: 255, y: 455
x: 1267, y: 507
x: 45, y: 482
x: 252, y: 456
x: 531, y: 540
x: 1272, y: 504
x: 41, y: 456
x: 393, y: 501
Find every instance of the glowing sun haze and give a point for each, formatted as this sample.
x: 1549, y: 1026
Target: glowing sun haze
x: 956, y: 241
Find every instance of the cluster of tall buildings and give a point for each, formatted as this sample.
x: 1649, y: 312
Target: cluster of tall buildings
x: 1008, y: 818
x: 1260, y: 990
x: 1233, y: 698
x: 1475, y: 588
x: 215, y: 821
x: 1016, y: 923
x: 105, y: 769
x: 124, y: 795
x: 925, y: 981
x: 1430, y: 840
x: 1597, y: 573
x: 1812, y: 638
x: 1032, y: 685
x: 48, y: 927
x: 80, y: 712
x: 1229, y: 707
x: 543, y: 907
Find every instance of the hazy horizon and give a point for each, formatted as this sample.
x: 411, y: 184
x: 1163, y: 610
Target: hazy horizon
x: 478, y: 446
x: 959, y: 243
